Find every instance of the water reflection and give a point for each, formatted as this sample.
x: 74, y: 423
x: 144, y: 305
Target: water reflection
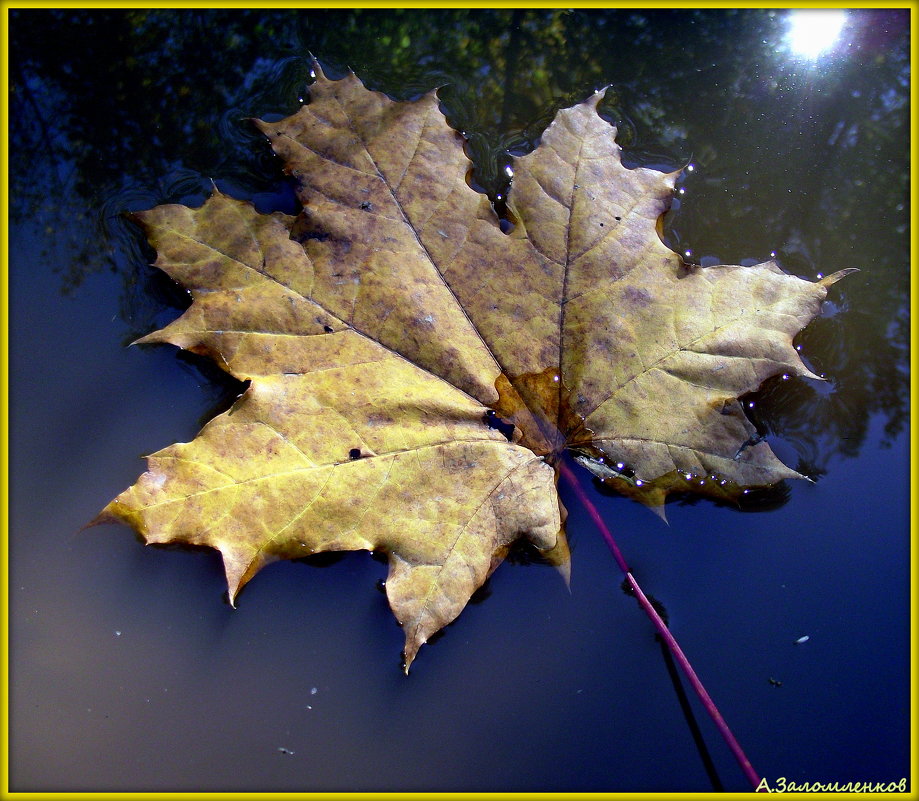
x: 119, y: 110
x: 812, y: 32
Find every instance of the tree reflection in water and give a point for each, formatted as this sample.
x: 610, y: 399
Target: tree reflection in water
x: 119, y: 110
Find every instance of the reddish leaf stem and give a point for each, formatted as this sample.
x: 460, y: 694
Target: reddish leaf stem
x: 662, y: 629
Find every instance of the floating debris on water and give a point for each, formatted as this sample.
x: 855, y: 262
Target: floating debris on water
x: 802, y: 640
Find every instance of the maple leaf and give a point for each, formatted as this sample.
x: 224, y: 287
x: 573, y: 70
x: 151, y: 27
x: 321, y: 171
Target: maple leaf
x: 415, y: 372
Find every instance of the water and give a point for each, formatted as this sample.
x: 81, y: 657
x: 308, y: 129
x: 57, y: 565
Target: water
x: 129, y: 672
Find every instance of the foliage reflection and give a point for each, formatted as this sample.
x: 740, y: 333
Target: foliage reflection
x: 118, y: 110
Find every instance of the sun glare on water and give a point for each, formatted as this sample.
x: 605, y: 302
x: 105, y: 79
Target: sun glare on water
x: 812, y: 32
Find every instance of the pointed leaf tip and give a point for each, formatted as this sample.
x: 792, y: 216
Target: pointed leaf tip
x: 832, y: 278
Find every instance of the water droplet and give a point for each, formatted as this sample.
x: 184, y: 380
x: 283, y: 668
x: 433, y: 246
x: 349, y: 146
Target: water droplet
x: 690, y: 167
x: 819, y: 276
x: 750, y: 405
x: 687, y: 253
x: 797, y: 347
x: 638, y: 482
x: 312, y: 73
x: 681, y: 191
x: 509, y: 170
x: 772, y: 253
x: 620, y: 465
x: 785, y: 376
x: 314, y: 690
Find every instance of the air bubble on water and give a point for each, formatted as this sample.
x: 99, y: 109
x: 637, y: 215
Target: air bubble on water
x: 620, y: 465
x: 819, y: 276
x: 750, y: 405
x: 785, y: 376
x: 638, y: 482
x: 312, y: 73
x: 314, y: 690
x: 555, y: 378
x: 509, y: 170
x: 687, y: 253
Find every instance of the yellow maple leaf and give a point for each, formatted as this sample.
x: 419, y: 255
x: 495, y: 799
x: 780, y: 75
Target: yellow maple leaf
x: 416, y: 373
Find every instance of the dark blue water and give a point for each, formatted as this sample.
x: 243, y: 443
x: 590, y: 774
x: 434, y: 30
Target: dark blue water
x: 127, y: 669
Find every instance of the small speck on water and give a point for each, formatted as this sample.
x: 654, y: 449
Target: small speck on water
x: 314, y: 690
x: 287, y: 751
x: 117, y: 633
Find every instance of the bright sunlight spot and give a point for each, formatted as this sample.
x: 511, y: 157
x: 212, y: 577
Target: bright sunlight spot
x: 813, y: 32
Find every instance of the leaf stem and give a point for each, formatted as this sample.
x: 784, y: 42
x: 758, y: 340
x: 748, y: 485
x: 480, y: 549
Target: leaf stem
x: 742, y: 760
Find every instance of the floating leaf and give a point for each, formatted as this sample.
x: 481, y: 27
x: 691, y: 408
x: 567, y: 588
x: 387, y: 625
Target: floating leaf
x: 416, y: 373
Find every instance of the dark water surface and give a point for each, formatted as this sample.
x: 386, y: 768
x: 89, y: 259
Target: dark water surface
x: 129, y: 672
